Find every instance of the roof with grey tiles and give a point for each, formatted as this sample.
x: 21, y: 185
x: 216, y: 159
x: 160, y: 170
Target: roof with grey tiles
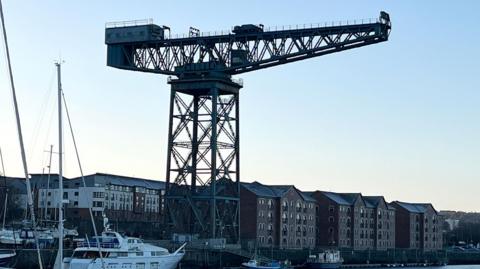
x: 274, y: 191
x: 336, y: 197
x: 414, y: 207
x: 373, y: 201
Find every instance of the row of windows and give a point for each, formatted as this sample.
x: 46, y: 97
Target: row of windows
x: 363, y: 211
x: 311, y: 241
x: 129, y: 189
x: 298, y: 217
x: 367, y: 243
x: 98, y: 194
x: 298, y: 204
x: 119, y: 188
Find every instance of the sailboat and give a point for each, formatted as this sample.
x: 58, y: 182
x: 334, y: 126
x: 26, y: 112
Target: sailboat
x: 20, y: 136
x: 7, y: 236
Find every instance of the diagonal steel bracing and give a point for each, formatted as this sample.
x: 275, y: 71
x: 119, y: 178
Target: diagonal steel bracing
x: 202, y: 178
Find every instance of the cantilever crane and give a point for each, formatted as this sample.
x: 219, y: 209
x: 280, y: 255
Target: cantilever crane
x: 203, y: 166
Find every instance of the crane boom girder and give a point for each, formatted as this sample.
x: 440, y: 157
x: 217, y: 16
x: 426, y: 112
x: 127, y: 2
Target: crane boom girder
x: 239, y: 53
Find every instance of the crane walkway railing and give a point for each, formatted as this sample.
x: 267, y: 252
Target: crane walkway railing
x: 265, y: 29
x: 284, y: 27
x: 116, y: 24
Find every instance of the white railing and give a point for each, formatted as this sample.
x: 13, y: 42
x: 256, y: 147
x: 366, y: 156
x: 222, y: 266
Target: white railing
x: 286, y: 27
x: 116, y: 24
x: 320, y: 24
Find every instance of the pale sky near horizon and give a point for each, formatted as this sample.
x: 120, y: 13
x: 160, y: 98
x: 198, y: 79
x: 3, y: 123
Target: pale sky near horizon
x: 399, y: 118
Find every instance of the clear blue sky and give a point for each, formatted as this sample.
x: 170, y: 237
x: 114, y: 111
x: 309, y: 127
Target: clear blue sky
x: 400, y: 118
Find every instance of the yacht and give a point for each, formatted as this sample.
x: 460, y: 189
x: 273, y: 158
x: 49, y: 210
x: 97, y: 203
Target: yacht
x: 119, y: 252
x: 330, y: 259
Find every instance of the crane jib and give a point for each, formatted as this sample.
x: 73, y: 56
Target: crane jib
x: 145, y: 47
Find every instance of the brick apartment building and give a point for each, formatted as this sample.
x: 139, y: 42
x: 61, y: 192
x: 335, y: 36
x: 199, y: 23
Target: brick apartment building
x: 348, y: 220
x: 271, y: 215
x: 277, y: 216
x: 418, y: 226
x: 383, y: 220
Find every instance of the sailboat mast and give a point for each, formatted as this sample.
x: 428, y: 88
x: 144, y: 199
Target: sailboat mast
x: 48, y: 183
x: 60, y: 167
x: 5, y: 190
x: 20, y: 136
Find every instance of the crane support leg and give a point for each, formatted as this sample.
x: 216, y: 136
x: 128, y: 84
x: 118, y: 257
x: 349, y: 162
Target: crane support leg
x: 203, y: 184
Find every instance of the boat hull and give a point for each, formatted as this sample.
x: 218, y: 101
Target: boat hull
x: 7, y: 260
x: 248, y: 265
x: 326, y: 265
x: 164, y: 262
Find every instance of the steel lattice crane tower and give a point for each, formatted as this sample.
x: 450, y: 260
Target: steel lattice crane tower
x: 203, y: 162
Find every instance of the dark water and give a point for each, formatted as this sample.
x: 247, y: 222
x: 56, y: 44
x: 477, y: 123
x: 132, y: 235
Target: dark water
x: 475, y: 266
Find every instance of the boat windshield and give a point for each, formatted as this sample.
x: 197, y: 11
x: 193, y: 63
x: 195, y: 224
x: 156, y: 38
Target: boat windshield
x: 105, y: 242
x: 88, y: 254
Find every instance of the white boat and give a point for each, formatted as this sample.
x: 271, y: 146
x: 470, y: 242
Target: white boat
x: 120, y: 252
x: 10, y: 237
x: 66, y: 233
x: 44, y: 237
x: 7, y: 258
x: 254, y: 264
x: 330, y: 259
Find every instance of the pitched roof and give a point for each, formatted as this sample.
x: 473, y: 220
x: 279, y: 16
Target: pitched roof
x: 336, y: 197
x: 414, y: 207
x: 351, y: 197
x: 274, y: 191
x: 259, y: 189
x: 307, y: 196
x: 110, y: 179
x: 373, y: 201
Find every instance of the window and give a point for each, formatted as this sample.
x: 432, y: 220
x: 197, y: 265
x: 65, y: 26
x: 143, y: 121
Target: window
x: 75, y: 203
x: 97, y: 204
x: 331, y: 209
x: 65, y: 195
x: 98, y: 194
x: 75, y: 193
